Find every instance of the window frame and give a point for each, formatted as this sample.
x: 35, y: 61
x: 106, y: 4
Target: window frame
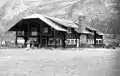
x: 49, y: 33
x: 71, y: 42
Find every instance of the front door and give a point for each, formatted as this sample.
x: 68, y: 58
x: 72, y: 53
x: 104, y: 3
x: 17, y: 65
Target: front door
x: 44, y: 42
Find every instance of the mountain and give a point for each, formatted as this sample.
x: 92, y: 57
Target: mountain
x: 98, y: 13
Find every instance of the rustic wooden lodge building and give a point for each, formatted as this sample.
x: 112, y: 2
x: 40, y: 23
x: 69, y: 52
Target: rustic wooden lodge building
x: 47, y: 31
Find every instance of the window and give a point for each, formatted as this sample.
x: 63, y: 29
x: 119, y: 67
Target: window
x: 90, y: 41
x: 99, y: 41
x: 20, y: 33
x: 20, y: 40
x: 47, y: 31
x: 67, y: 41
x: 34, y: 31
x: 71, y: 41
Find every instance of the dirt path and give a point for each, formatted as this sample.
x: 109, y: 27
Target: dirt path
x: 71, y: 62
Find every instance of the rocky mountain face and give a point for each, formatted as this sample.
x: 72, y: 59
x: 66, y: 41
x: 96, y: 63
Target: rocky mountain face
x: 102, y: 14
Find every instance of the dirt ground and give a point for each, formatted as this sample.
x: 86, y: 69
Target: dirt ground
x: 59, y: 62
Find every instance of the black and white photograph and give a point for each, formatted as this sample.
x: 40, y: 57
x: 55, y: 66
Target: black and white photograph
x: 59, y: 37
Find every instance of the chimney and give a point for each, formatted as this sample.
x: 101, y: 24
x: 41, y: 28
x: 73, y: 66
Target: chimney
x: 80, y: 19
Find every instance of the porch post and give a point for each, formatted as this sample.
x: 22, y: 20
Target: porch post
x: 77, y: 40
x: 40, y: 39
x: 28, y: 30
x: 38, y: 34
x: 64, y: 38
x: 55, y: 38
x: 95, y: 38
x: 16, y: 39
x: 102, y: 41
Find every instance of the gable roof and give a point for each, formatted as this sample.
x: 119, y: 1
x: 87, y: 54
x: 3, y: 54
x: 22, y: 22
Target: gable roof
x: 88, y: 30
x: 63, y: 22
x: 51, y: 21
x: 92, y: 29
x: 43, y: 18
